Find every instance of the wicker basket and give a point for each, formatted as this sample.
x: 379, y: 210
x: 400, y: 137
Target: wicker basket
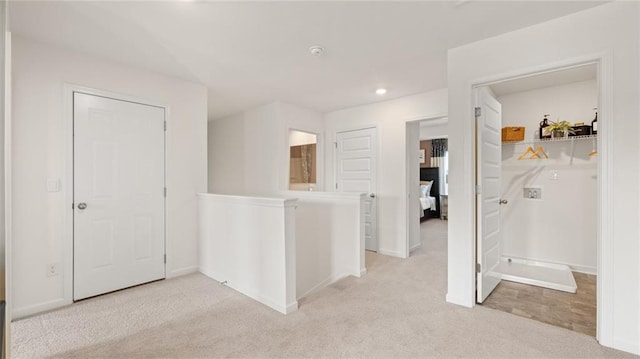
x: 512, y: 134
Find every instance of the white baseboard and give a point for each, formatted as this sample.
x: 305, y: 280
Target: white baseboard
x: 19, y: 313
x: 363, y: 271
x: 291, y: 307
x: 251, y: 293
x: 391, y: 253
x: 316, y: 287
x: 633, y: 348
x: 584, y: 269
x: 415, y: 246
x: 182, y: 271
x: 459, y: 301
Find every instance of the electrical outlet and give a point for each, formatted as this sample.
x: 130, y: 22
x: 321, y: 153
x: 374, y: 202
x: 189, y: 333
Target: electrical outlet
x: 553, y: 176
x: 53, y: 269
x: 532, y: 193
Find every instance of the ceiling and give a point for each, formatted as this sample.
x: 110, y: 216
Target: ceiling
x: 252, y: 53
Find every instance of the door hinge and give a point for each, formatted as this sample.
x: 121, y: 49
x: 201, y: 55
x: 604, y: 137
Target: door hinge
x: 165, y: 259
x: 335, y: 144
x: 165, y: 192
x: 336, y: 185
x: 72, y: 205
x: 478, y: 112
x: 478, y: 189
x: 478, y: 268
x: 165, y: 125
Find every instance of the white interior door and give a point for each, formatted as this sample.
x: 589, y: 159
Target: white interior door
x: 118, y: 194
x: 356, y: 172
x: 489, y: 161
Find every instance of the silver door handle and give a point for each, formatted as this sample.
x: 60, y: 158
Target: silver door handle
x: 503, y: 201
x: 372, y: 195
x: 82, y: 205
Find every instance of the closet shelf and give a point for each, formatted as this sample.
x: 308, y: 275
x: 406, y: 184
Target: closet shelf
x: 548, y: 140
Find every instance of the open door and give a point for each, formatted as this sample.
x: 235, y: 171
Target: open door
x: 488, y: 171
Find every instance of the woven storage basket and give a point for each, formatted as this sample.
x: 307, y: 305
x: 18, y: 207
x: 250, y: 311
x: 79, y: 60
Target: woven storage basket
x: 511, y: 134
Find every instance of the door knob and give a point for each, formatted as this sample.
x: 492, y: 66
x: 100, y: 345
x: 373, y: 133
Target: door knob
x: 82, y: 205
x: 372, y: 195
x: 503, y: 201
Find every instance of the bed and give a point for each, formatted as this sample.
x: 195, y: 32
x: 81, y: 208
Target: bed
x: 429, y: 192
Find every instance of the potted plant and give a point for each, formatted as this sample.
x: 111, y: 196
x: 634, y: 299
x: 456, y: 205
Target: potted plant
x: 558, y: 129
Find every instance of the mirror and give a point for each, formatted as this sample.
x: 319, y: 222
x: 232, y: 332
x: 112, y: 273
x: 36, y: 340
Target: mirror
x: 302, y: 160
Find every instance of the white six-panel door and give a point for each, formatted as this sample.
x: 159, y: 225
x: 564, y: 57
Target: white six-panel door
x: 489, y: 166
x: 356, y: 172
x: 119, y: 198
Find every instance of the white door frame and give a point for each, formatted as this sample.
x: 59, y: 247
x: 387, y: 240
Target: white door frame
x: 67, y: 180
x: 604, y: 323
x: 411, y: 215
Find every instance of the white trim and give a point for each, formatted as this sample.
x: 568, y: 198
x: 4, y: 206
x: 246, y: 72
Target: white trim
x: 251, y: 293
x: 19, y: 313
x: 626, y: 346
x: 67, y: 180
x: 605, y: 208
x: 416, y: 246
x: 8, y: 198
x: 181, y: 271
x: 387, y: 252
x: 250, y: 200
x: 326, y: 282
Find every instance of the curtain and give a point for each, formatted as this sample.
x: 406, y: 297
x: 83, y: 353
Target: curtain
x: 438, y: 151
x: 439, y: 159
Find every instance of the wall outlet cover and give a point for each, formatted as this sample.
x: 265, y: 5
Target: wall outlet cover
x: 53, y: 269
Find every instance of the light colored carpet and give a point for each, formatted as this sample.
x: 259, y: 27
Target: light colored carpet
x: 397, y: 310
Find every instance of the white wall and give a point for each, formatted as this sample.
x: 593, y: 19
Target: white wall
x: 329, y: 238
x: 554, y: 229
x: 39, y: 144
x: 560, y: 42
x: 257, y: 260
x: 572, y: 102
x: 249, y: 152
x: 390, y: 118
x: 428, y: 132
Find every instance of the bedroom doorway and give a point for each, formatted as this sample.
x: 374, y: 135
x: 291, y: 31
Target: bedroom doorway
x: 427, y: 183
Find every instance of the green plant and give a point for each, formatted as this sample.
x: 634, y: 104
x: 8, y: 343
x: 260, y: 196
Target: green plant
x: 563, y: 126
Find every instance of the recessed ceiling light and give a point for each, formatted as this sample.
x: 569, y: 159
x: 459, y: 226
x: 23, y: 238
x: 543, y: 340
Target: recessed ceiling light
x: 381, y: 91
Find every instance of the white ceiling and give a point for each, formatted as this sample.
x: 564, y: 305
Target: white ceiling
x: 253, y: 53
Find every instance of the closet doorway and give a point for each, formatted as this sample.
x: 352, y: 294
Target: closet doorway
x: 537, y: 243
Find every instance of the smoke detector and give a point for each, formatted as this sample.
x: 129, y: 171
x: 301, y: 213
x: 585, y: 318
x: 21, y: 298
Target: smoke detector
x: 316, y: 50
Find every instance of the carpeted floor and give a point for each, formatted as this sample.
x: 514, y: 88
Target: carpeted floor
x: 397, y: 310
